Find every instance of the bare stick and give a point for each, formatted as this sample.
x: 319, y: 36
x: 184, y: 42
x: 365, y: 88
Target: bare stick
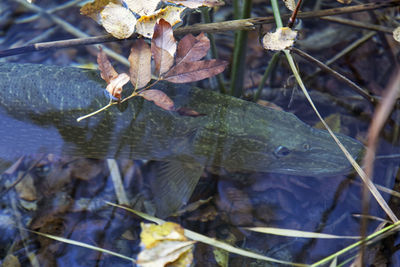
x: 339, y: 76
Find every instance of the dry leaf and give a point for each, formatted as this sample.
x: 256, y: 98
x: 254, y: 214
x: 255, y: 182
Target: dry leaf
x: 344, y: 1
x: 197, y: 3
x: 93, y: 9
x: 164, y: 244
x: 118, y: 20
x: 189, y: 112
x: 195, y: 71
x: 396, y: 34
x: 290, y: 4
x: 159, y: 98
x: 116, y: 84
x: 279, y: 40
x: 145, y: 25
x: 140, y: 64
x: 107, y: 71
x: 192, y: 48
x: 163, y: 47
x: 142, y: 7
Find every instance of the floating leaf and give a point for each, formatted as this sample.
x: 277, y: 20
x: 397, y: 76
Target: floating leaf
x: 118, y: 20
x: 279, y: 40
x: 164, y: 244
x: 189, y: 112
x: 116, y: 84
x: 159, y: 98
x: 145, y: 24
x: 140, y: 64
x: 197, y: 3
x: 142, y: 7
x: 192, y: 48
x: 396, y: 34
x: 163, y: 47
x: 107, y: 71
x: 195, y: 71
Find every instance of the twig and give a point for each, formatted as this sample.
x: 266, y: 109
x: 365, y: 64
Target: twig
x: 294, y: 14
x: 69, y: 28
x: 337, y: 75
x: 242, y: 24
x: 344, y: 52
x: 359, y: 24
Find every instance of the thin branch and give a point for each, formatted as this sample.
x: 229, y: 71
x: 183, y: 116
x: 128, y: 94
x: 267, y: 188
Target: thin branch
x: 337, y: 75
x: 233, y: 25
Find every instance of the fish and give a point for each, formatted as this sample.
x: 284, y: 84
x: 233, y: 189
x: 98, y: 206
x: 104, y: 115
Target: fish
x: 40, y: 104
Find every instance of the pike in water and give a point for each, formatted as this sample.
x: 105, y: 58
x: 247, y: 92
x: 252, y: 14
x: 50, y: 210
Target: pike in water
x: 39, y: 106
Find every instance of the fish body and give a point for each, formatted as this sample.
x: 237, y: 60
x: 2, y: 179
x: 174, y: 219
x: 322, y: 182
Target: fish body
x: 39, y: 106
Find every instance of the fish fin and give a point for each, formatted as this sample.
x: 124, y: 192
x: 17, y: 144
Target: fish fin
x: 173, y: 184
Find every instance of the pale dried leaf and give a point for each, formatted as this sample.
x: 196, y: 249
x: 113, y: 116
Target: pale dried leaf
x: 145, y: 25
x: 290, y: 4
x: 344, y: 1
x: 159, y: 98
x: 140, y: 64
x: 396, y: 34
x: 142, y: 7
x: 118, y: 21
x: 197, y: 3
x: 163, y: 47
x: 116, y: 84
x: 93, y: 9
x: 166, y: 252
x: 279, y: 40
x: 192, y: 48
x: 195, y: 71
x: 107, y: 71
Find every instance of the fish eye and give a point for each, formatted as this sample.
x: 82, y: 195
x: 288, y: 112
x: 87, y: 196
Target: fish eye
x: 281, y: 151
x: 306, y: 146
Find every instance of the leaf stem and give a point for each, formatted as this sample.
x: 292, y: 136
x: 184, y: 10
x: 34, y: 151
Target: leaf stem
x: 95, y: 112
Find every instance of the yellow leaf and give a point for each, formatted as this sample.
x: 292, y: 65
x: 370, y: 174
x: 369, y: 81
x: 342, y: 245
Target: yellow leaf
x: 92, y: 9
x: 145, y: 25
x: 152, y: 234
x: 118, y: 20
x: 290, y: 4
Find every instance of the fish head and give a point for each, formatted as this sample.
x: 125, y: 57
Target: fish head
x: 281, y: 143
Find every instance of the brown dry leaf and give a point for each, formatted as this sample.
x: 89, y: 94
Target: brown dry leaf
x: 279, y: 40
x: 195, y: 71
x: 92, y: 9
x: 145, y: 25
x: 118, y: 21
x: 140, y: 64
x: 107, y: 71
x: 116, y: 84
x: 159, y: 98
x: 290, y: 4
x: 192, y: 48
x: 142, y: 7
x: 163, y: 47
x: 197, y: 3
x: 189, y: 112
